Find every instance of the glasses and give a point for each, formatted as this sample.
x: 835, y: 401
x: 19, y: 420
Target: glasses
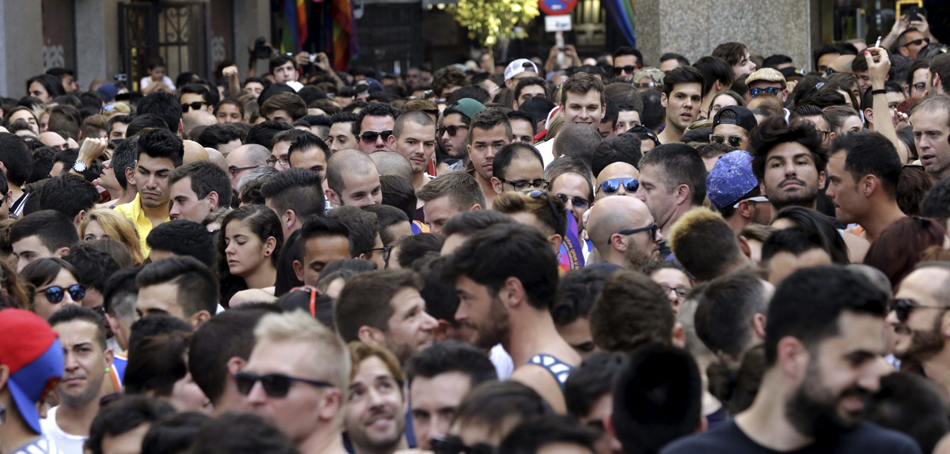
x: 577, y: 202
x: 652, y: 228
x: 903, y: 306
x: 197, y: 105
x: 385, y: 251
x: 734, y: 141
x: 370, y: 136
x: 558, y: 220
x: 824, y: 135
x: 234, y: 170
x: 650, y: 84
x: 917, y: 42
x: 521, y: 185
x: 920, y: 86
x: 680, y: 291
x: 452, y: 130
x: 275, y: 385
x: 770, y: 90
x: 629, y: 69
x: 283, y: 161
x: 55, y: 293
x: 454, y: 445
x: 752, y: 199
x: 612, y: 185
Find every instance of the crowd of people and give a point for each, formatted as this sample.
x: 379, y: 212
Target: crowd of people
x: 573, y: 256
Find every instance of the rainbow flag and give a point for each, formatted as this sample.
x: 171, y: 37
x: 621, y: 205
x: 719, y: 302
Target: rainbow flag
x: 571, y: 256
x: 622, y: 12
x: 343, y: 34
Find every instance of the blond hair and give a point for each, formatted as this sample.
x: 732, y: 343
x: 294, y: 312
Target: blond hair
x: 330, y: 354
x: 116, y: 227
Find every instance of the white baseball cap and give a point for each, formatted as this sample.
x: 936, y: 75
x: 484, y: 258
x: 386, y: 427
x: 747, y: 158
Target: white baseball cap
x: 519, y: 66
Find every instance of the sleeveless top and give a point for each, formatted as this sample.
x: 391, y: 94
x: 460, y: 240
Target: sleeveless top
x: 559, y: 369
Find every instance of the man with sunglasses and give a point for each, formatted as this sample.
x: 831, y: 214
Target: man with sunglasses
x: 296, y: 377
x: 618, y: 178
x: 731, y: 127
x: 767, y: 81
x: 626, y: 61
x: 910, y: 43
x: 623, y: 232
x: 374, y: 127
x: 195, y: 97
x: 454, y: 127
x: 916, y: 317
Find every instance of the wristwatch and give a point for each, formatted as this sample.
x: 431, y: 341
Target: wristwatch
x: 79, y: 166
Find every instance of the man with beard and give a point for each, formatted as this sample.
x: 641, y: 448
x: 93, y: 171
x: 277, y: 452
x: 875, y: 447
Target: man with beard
x: 374, y: 418
x: 823, y: 342
x: 788, y: 161
x: 453, y: 131
x: 917, y: 317
x: 623, y: 232
x: 682, y: 97
x: 86, y: 360
x: 506, y: 279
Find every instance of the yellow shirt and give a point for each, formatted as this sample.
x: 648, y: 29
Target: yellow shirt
x: 133, y: 212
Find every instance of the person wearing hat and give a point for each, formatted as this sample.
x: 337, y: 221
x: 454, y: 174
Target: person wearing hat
x: 734, y: 190
x: 519, y: 69
x: 453, y: 133
x: 31, y: 363
x: 766, y: 81
x: 731, y: 127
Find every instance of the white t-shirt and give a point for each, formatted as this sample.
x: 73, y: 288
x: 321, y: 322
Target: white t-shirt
x: 39, y: 445
x: 547, y: 151
x: 67, y: 443
x: 504, y: 366
x: 147, y: 80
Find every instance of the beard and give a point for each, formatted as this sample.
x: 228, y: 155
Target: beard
x: 923, y: 344
x: 803, y: 198
x: 636, y: 258
x: 380, y: 443
x: 495, y: 328
x: 813, y: 409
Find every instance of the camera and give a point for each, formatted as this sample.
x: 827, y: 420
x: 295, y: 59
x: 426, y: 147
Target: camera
x: 261, y: 52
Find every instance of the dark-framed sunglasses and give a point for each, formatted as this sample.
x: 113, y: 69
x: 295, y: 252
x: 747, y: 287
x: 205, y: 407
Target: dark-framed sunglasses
x: 734, y: 140
x: 453, y: 445
x: 521, y: 185
x: 275, y: 385
x: 770, y: 90
x: 370, y: 136
x: 197, y: 105
x: 234, y: 170
x: 452, y: 130
x: 903, y: 306
x: 612, y: 185
x: 55, y: 293
x: 577, y: 202
x: 652, y: 228
x: 916, y: 42
x: 629, y: 69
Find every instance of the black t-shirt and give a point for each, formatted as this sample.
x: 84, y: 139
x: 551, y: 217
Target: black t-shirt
x: 866, y: 438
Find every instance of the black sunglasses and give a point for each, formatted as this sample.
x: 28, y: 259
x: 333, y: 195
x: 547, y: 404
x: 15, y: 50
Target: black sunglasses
x: 770, y: 90
x: 578, y: 202
x: 197, y: 105
x: 558, y: 220
x: 903, y: 306
x: 55, y: 293
x: 629, y: 69
x: 917, y: 42
x: 275, y: 385
x: 520, y: 185
x: 734, y: 141
x: 370, y: 136
x: 234, y: 170
x: 652, y: 228
x: 453, y: 445
x: 452, y: 130
x: 612, y: 185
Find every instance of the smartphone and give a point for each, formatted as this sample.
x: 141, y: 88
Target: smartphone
x: 913, y: 12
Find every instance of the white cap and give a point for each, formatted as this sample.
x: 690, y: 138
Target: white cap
x: 519, y: 66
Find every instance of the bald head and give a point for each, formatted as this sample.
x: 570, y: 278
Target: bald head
x: 52, y: 139
x: 217, y: 158
x: 392, y: 163
x: 195, y: 118
x: 611, y: 215
x: 615, y: 170
x: 245, y: 158
x: 193, y: 152
x: 346, y: 162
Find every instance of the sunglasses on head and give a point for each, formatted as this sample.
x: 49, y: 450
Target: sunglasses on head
x: 452, y: 130
x: 55, y: 293
x: 453, y: 445
x: 612, y: 185
x: 370, y: 136
x: 629, y: 69
x: 275, y: 385
x: 770, y: 90
x: 734, y: 141
x: 578, y: 202
x: 903, y: 306
x: 197, y: 105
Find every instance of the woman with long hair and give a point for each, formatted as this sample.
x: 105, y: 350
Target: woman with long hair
x: 249, y: 244
x: 106, y: 223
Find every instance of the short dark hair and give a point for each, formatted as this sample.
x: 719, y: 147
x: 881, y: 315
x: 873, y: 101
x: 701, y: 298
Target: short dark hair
x: 68, y: 194
x: 566, y: 164
x: 176, y: 433
x: 773, y: 61
x: 398, y: 193
x: 631, y: 311
x: 657, y: 399
x: 508, y: 153
x: 163, y: 104
x: 576, y: 293
x: 387, y: 216
x: 627, y: 50
x: 488, y: 119
x: 205, y: 178
x: 288, y: 102
x: 54, y: 229
x: 123, y: 158
x: 216, y: 341
x: 470, y: 222
x: 196, y: 89
x: 119, y: 287
x: 773, y: 132
x: 624, y: 147
x: 416, y: 247
x: 724, y: 311
x: 74, y: 312
x: 532, y: 435
x: 461, y: 188
x: 156, y: 363
x: 581, y: 83
x: 278, y: 61
x: 183, y: 238
x: 363, y: 227
x: 870, y: 153
x: 681, y: 165
x: 808, y: 304
x: 936, y: 203
x: 160, y: 143
x: 501, y: 251
x: 364, y: 300
x: 682, y: 75
x: 263, y: 133
x: 530, y: 81
x: 590, y: 381
x: 197, y: 285
x: 241, y: 433
x: 142, y: 122
x: 714, y: 69
x: 731, y: 52
x: 303, y: 142
x: 374, y: 109
x: 913, y: 405
x: 16, y: 158
x: 95, y: 266
x: 671, y: 56
x: 452, y: 356
x: 795, y: 241
x: 156, y: 325
x: 319, y: 226
x: 295, y: 189
x: 495, y: 404
x: 519, y: 115
x: 123, y: 415
x: 218, y: 134
x: 578, y: 141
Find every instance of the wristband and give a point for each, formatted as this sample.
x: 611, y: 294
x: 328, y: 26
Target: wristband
x: 878, y: 92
